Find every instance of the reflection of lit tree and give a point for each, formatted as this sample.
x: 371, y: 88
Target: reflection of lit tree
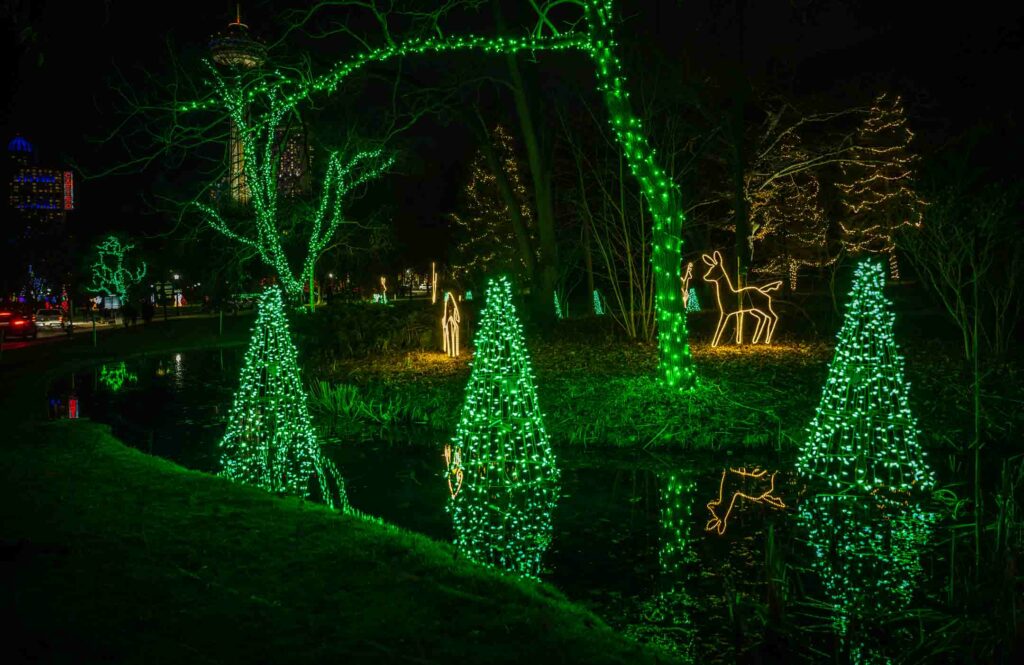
x: 863, y: 435
x: 115, y: 375
x: 502, y: 516
x: 269, y: 440
x: 867, y: 554
x: 110, y: 275
x: 668, y: 614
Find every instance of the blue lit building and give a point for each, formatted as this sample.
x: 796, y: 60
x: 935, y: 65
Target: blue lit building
x: 40, y: 194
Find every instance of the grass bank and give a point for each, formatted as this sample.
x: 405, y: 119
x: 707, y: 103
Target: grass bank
x: 113, y: 555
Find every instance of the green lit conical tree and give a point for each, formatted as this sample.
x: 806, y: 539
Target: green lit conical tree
x: 501, y: 510
x: 863, y: 435
x: 270, y: 441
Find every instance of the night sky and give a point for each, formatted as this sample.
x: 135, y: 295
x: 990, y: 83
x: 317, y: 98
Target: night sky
x: 955, y: 69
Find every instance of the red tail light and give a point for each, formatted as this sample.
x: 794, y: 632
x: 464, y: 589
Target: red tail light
x: 19, y: 322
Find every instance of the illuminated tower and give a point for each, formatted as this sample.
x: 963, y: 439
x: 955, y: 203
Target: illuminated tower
x: 236, y: 52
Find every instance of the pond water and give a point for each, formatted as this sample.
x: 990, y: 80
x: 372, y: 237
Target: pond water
x: 628, y: 535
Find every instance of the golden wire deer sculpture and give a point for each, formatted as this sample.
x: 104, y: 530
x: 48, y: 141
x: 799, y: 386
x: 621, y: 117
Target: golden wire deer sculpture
x: 758, y: 478
x: 753, y: 300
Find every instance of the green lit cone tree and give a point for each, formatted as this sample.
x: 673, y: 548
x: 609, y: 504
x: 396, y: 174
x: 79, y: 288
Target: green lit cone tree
x: 508, y: 477
x: 863, y: 438
x: 270, y: 440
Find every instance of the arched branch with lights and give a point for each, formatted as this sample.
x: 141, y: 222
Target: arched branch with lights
x: 597, y: 41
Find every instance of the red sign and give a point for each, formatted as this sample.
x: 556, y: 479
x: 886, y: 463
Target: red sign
x: 69, y: 190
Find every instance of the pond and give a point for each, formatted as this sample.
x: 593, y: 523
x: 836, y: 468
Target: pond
x: 629, y: 530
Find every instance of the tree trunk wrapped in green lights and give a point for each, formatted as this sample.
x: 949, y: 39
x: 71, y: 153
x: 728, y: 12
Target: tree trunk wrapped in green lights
x: 270, y: 441
x: 507, y: 474
x: 863, y: 436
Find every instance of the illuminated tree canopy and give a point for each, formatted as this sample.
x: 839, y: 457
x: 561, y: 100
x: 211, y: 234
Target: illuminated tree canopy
x: 110, y: 274
x: 488, y: 242
x: 876, y: 187
x: 597, y: 41
x: 259, y: 140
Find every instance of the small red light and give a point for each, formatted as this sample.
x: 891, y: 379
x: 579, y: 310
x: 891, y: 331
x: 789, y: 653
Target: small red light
x: 19, y: 322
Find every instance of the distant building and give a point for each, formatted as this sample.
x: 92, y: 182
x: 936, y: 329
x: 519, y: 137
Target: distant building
x: 237, y: 52
x: 36, y: 248
x: 40, y: 194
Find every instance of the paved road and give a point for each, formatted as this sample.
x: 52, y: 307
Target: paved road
x: 53, y: 335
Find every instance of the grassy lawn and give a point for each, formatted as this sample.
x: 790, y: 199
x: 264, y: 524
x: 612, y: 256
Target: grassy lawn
x: 113, y: 555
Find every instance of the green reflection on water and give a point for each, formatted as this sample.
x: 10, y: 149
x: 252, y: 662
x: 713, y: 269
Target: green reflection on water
x: 867, y: 553
x: 667, y: 616
x: 115, y: 375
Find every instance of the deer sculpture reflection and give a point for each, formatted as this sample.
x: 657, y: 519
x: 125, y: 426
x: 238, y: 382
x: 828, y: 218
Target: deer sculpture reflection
x: 753, y: 300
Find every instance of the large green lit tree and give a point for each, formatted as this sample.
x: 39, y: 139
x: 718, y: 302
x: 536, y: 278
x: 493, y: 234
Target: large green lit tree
x: 111, y: 275
x: 863, y: 436
x: 502, y: 512
x: 595, y: 37
x: 270, y: 440
x: 260, y: 138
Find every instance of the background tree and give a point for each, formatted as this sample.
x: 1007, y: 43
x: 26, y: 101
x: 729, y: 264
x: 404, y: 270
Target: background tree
x: 493, y: 235
x: 876, y: 186
x: 111, y: 275
x: 789, y: 228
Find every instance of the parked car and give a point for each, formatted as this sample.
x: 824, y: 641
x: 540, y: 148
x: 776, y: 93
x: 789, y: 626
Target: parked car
x: 17, y: 325
x: 49, y: 318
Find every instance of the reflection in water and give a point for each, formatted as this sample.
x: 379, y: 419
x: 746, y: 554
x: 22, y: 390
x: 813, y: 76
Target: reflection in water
x: 756, y: 486
x: 867, y: 554
x: 505, y: 523
x: 667, y: 616
x: 115, y: 375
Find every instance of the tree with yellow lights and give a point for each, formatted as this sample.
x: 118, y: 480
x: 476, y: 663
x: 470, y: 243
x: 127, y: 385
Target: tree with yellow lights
x: 788, y: 225
x: 488, y: 229
x: 877, y: 183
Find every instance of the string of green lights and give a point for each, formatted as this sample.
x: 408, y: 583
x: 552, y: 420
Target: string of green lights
x: 110, y: 276
x: 260, y: 142
x: 270, y: 440
x: 502, y: 515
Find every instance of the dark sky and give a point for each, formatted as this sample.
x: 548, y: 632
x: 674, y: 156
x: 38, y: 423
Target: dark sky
x: 955, y: 68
